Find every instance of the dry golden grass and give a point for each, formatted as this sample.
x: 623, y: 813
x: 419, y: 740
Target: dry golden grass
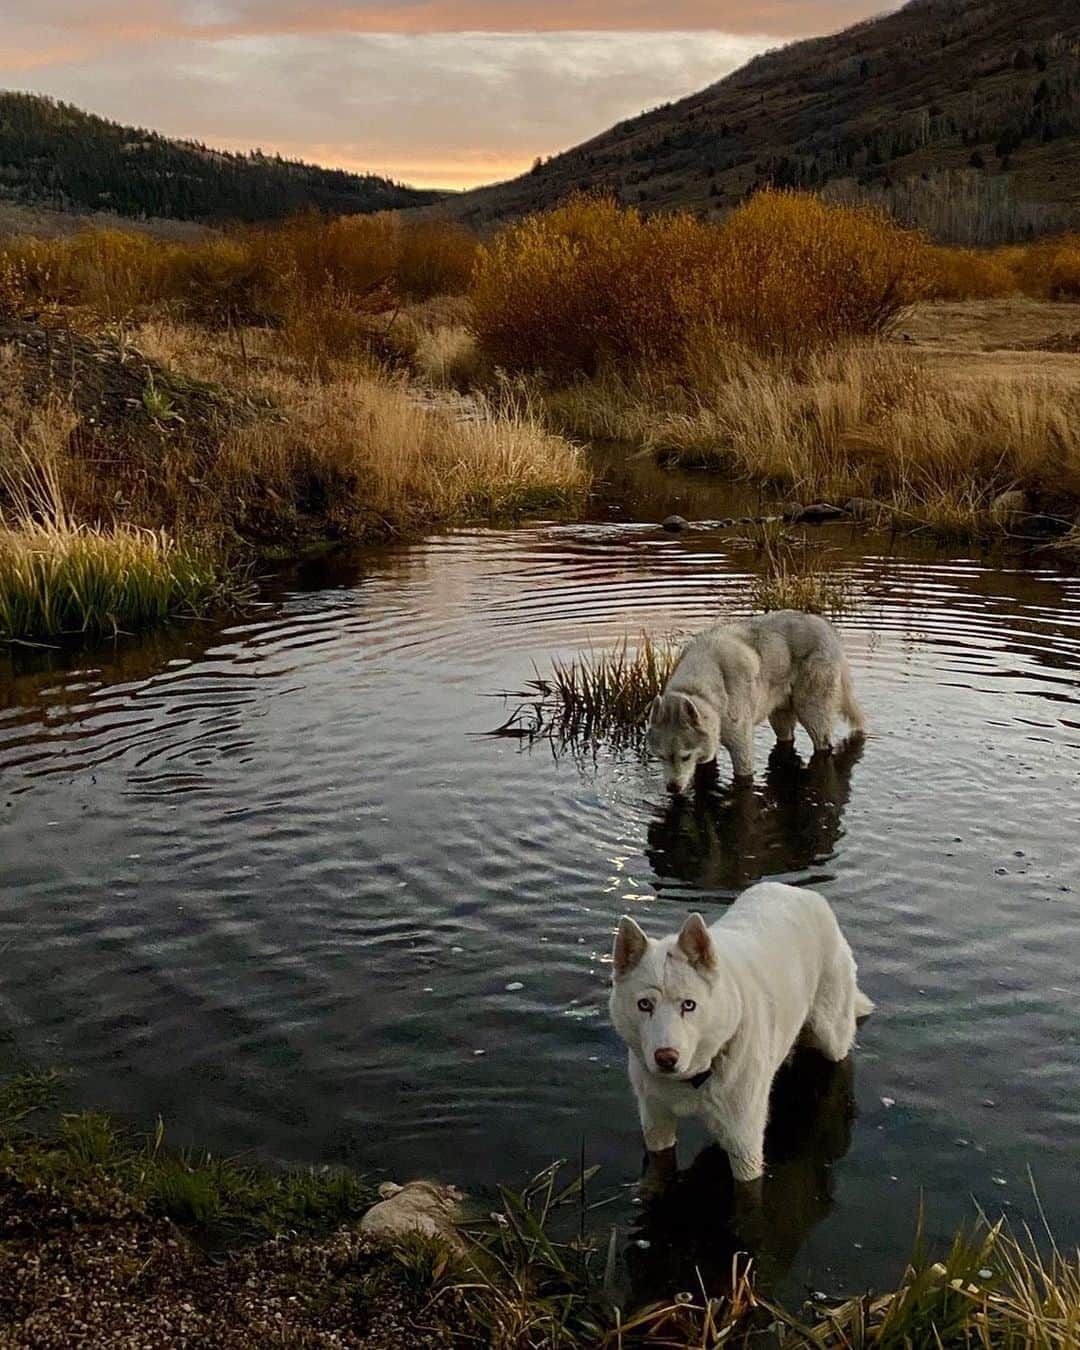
x: 1015, y: 322
x: 358, y: 447
x: 447, y: 356
x: 860, y: 421
x: 350, y: 453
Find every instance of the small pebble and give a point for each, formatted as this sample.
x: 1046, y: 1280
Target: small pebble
x: 643, y: 1243
x: 888, y: 1101
x: 479, y: 1052
x: 514, y: 986
x: 986, y: 1273
x: 999, y: 1181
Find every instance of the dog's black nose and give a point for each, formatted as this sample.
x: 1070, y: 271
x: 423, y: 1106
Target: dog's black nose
x: 666, y: 1058
x: 674, y: 787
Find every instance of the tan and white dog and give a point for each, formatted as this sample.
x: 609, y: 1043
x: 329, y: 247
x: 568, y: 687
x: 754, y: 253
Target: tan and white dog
x: 710, y: 1015
x: 786, y: 666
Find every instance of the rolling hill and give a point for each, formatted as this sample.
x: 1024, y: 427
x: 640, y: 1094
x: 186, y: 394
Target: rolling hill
x: 55, y: 155
x: 986, y: 91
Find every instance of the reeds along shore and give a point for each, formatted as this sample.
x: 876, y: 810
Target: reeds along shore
x: 278, y: 369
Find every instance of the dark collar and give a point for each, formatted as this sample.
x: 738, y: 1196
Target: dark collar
x: 700, y: 1078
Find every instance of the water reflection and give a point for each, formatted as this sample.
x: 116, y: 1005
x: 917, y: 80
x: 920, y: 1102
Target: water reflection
x: 691, y: 1228
x: 727, y: 837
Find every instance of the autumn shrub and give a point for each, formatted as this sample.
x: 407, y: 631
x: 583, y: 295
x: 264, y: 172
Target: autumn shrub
x: 435, y: 257
x: 592, y: 284
x: 796, y: 274
x: 252, y: 275
x: 589, y: 283
x: 968, y: 274
x: 1049, y: 269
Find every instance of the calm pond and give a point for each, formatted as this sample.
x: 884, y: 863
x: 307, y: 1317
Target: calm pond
x: 272, y: 881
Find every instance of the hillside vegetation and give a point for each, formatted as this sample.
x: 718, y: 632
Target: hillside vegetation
x: 981, y: 96
x: 53, y: 154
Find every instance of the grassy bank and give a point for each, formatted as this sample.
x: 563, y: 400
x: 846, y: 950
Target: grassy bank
x: 109, y: 1238
x: 141, y: 472
x: 760, y: 348
x: 258, y: 388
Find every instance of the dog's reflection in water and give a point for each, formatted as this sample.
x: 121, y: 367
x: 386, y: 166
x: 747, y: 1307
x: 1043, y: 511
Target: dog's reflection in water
x: 694, y: 1222
x: 726, y: 837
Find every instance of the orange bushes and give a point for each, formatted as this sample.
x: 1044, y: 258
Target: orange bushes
x: 250, y: 275
x: 1049, y: 269
x: 593, y: 284
x: 797, y: 274
x: 968, y: 274
x: 589, y: 283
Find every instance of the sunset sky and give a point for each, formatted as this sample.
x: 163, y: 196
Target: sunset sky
x: 445, y: 93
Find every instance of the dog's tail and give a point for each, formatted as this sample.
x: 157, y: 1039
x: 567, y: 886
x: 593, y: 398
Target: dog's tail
x: 863, y: 1006
x: 849, y: 704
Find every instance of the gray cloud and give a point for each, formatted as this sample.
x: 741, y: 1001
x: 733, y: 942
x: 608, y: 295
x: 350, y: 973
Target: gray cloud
x: 445, y: 109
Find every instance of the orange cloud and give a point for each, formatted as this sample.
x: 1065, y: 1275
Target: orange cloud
x: 270, y: 18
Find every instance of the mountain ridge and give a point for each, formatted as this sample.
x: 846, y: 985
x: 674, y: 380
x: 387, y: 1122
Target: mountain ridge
x: 987, y: 88
x: 53, y: 154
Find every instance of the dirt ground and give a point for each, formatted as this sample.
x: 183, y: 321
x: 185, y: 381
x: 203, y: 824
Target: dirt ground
x: 1011, y: 338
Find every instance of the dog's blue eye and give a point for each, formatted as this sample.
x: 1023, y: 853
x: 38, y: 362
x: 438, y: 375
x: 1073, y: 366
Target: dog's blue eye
x: 645, y: 1004
x: 688, y: 1005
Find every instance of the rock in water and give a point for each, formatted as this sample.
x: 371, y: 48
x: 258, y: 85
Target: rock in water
x: 821, y: 511
x: 675, y: 524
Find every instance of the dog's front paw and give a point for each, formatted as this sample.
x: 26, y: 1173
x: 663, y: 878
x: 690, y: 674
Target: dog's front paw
x: 660, y: 1168
x: 747, y: 1167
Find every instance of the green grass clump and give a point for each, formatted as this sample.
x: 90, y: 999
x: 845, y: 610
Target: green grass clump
x: 59, y: 578
x: 223, y: 1200
x: 608, y: 691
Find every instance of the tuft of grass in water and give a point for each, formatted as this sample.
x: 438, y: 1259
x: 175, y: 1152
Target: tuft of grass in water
x: 58, y: 578
x: 790, y: 579
x: 611, y: 690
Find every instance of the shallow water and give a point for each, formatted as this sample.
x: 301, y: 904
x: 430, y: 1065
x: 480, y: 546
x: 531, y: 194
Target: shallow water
x: 272, y: 881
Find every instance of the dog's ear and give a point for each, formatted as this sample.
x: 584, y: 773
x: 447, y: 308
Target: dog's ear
x: 653, y: 715
x: 689, y: 714
x: 630, y: 944
x: 696, y: 944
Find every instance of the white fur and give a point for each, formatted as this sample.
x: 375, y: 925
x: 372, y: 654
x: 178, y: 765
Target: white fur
x: 786, y: 666
x: 734, y: 998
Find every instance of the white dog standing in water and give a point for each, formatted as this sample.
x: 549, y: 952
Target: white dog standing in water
x: 711, y: 1014
x: 786, y: 666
